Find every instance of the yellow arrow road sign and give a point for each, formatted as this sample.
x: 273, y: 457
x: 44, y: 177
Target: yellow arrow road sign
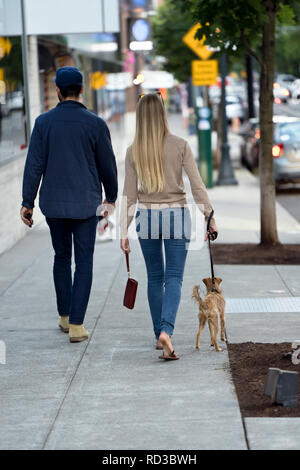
x: 197, y: 45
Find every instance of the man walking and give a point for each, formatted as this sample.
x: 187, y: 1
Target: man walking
x: 70, y: 150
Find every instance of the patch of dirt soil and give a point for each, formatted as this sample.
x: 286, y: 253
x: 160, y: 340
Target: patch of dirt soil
x: 249, y: 364
x: 250, y: 253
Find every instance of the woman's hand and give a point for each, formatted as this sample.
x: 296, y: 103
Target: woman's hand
x: 125, y: 246
x: 212, y: 228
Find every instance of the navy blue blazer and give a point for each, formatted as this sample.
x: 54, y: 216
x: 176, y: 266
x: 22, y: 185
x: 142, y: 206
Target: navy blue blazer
x: 70, y: 149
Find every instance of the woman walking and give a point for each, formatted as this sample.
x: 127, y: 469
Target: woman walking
x: 153, y: 177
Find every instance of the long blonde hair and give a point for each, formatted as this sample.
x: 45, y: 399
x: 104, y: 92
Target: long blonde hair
x: 148, y: 145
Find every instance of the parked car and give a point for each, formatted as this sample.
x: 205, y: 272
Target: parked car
x: 235, y: 108
x: 295, y: 90
x: 281, y: 93
x: 250, y: 147
x: 286, y: 80
x: 285, y: 150
x: 15, y: 101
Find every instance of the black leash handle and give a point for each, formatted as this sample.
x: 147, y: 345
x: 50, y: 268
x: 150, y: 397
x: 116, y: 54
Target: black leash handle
x: 211, y: 235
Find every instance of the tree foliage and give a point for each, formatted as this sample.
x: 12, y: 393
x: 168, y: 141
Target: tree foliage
x: 168, y: 28
x: 287, y: 50
x: 237, y: 26
x: 12, y: 64
x: 249, y: 25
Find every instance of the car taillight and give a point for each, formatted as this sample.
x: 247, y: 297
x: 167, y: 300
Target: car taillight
x: 277, y: 100
x: 277, y: 150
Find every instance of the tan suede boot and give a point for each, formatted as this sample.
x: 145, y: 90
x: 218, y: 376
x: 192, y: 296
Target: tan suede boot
x: 78, y: 333
x: 64, y: 324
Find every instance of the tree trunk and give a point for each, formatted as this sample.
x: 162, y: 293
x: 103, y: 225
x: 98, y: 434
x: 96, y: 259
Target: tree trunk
x: 266, y: 166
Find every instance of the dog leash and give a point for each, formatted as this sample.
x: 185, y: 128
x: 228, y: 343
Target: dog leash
x: 211, y: 236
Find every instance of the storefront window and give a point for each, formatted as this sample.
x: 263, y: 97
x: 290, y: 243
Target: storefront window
x: 12, y: 104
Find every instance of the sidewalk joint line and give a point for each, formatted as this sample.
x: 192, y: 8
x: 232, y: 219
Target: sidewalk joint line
x: 284, y: 282
x: 82, y: 355
x: 245, y: 432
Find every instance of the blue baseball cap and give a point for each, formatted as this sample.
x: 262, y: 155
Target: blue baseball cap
x: 67, y: 76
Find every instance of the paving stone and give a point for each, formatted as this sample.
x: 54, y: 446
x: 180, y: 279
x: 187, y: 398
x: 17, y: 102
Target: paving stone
x: 273, y: 433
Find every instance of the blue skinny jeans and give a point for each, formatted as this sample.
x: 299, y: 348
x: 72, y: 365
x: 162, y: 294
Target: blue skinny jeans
x: 164, y: 237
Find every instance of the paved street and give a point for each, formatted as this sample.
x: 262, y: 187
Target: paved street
x: 289, y: 196
x: 287, y: 109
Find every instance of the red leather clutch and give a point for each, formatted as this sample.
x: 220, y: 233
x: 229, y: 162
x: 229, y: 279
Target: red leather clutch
x: 131, y: 289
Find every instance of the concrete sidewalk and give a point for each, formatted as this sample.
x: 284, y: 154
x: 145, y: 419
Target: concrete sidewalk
x: 113, y: 392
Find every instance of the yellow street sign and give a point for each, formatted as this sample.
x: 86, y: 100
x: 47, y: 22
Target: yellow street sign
x: 97, y: 80
x: 5, y: 47
x: 197, y: 45
x: 204, y: 72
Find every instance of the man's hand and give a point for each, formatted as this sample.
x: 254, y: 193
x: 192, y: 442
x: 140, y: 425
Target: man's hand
x: 212, y: 228
x: 125, y: 246
x: 107, y: 208
x: 26, y: 212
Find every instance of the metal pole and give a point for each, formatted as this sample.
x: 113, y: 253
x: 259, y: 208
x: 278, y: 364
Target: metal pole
x: 203, y: 128
x: 249, y: 71
x: 25, y: 72
x: 226, y: 174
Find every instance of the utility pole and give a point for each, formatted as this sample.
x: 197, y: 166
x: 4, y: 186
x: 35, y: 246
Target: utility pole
x: 25, y: 72
x: 226, y: 174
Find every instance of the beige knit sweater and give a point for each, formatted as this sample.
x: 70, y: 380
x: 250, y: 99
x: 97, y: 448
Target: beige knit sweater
x: 178, y: 155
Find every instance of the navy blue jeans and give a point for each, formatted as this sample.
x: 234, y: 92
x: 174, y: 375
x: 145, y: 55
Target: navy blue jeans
x: 73, y: 297
x: 164, y: 232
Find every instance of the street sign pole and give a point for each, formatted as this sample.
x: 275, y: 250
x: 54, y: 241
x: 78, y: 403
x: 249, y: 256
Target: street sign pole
x: 204, y: 73
x: 203, y: 114
x: 249, y: 71
x: 226, y: 174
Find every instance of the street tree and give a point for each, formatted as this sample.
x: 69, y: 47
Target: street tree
x: 12, y: 64
x: 249, y: 25
x: 168, y: 28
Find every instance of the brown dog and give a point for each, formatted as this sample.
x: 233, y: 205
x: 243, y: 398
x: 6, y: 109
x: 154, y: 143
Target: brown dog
x: 211, y: 308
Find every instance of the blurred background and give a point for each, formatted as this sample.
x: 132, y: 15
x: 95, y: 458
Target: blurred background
x: 124, y: 48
